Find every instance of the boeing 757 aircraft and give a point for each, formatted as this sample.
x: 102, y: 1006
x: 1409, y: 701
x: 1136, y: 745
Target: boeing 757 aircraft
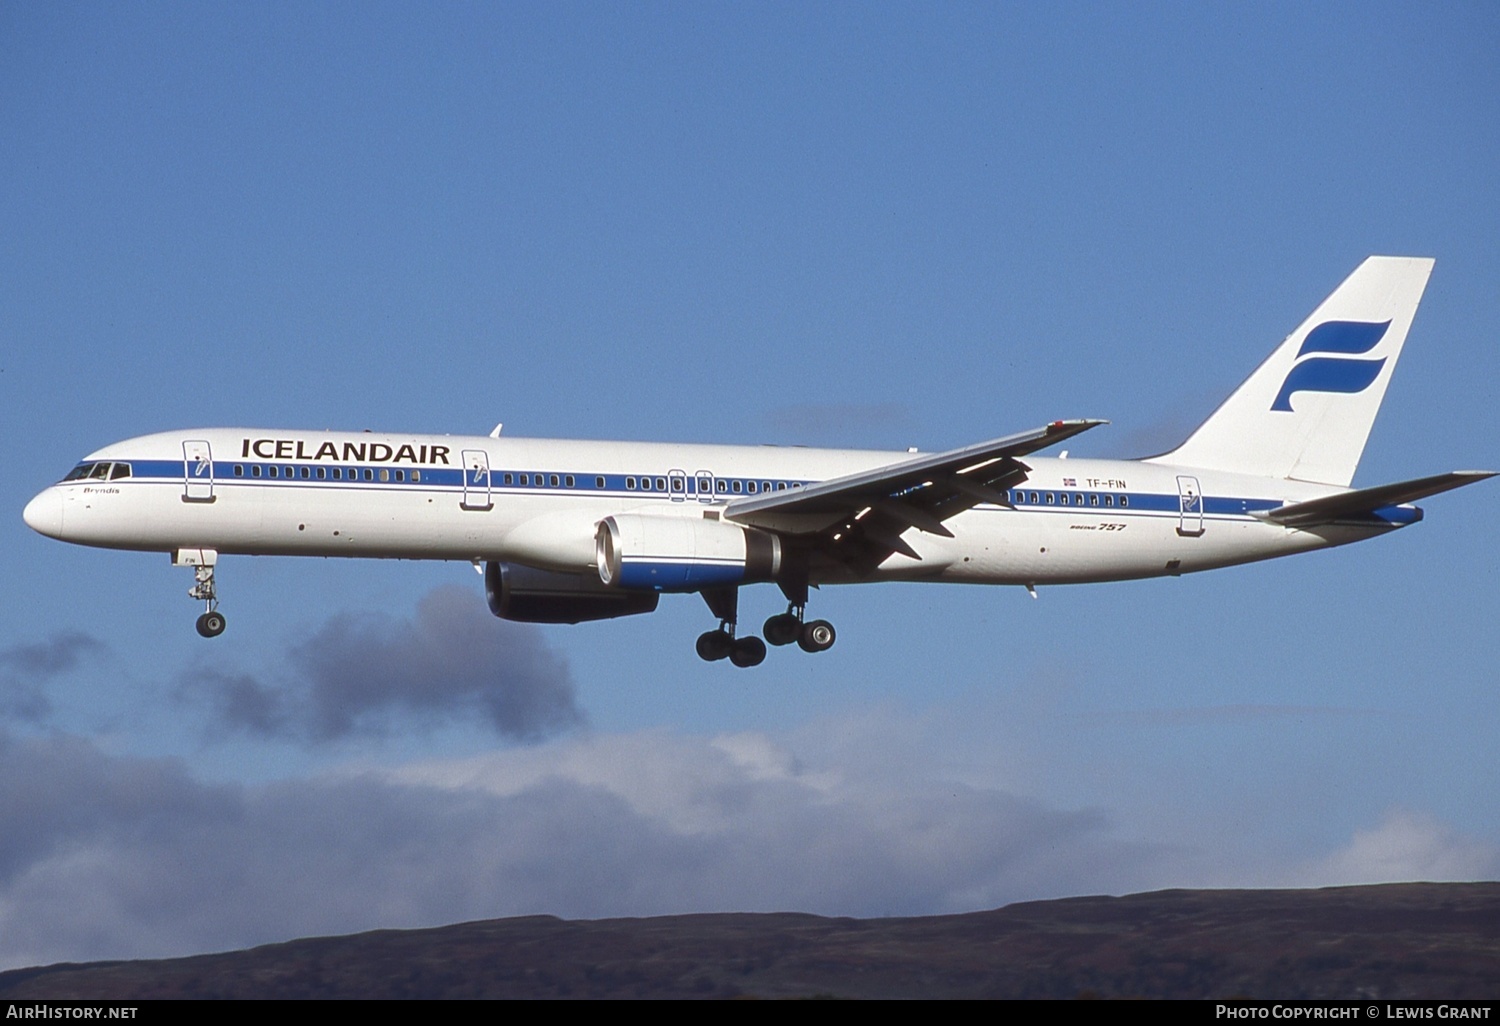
x: 567, y: 531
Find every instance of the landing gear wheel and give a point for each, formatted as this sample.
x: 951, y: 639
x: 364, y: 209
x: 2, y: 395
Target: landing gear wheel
x: 714, y: 645
x: 817, y: 636
x: 782, y: 629
x: 211, y: 624
x: 748, y: 652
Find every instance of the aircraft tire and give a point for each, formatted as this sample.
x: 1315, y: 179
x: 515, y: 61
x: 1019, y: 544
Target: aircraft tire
x: 211, y: 625
x: 748, y: 652
x: 817, y: 636
x: 714, y: 645
x: 782, y: 629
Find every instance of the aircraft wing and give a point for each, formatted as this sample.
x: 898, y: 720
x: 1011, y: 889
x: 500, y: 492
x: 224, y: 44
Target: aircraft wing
x: 1364, y: 502
x: 863, y: 515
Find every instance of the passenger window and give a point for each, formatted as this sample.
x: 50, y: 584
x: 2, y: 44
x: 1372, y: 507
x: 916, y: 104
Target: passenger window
x: 630, y: 484
x: 661, y: 484
x: 273, y: 471
x: 400, y: 475
x: 598, y: 482
x: 385, y: 475
x: 306, y: 473
x: 1050, y: 500
x: 1124, y: 500
x: 1064, y: 498
x: 568, y: 481
x: 255, y: 470
x: 679, y: 485
x: 723, y: 486
x: 1034, y: 497
x: 239, y: 470
x: 552, y: 480
x: 322, y: 473
x: 416, y: 475
x: 1109, y: 500
x: 1095, y: 499
x: 338, y: 474
x: 369, y: 474
x: 750, y: 487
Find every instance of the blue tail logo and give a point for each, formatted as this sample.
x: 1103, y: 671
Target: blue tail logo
x: 1334, y: 373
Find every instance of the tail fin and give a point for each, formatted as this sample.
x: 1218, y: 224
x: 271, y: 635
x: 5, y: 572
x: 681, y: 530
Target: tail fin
x: 1307, y: 411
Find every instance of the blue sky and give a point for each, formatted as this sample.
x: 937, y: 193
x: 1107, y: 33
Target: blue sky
x: 872, y: 225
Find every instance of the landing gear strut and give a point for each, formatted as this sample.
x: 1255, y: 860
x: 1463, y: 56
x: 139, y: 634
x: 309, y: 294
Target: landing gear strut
x: 212, y: 623
x: 719, y: 644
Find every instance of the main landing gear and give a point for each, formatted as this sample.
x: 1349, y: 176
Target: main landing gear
x: 781, y: 629
x: 810, y: 636
x: 720, y: 644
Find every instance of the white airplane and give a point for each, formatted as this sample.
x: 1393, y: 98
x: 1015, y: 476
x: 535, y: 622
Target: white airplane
x: 567, y: 531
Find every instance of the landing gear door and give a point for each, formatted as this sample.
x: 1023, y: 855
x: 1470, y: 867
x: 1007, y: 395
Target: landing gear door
x: 1190, y: 502
x: 197, y: 472
x: 476, y: 480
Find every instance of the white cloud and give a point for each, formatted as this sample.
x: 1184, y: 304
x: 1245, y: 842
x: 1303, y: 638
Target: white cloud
x: 1406, y: 845
x: 126, y: 857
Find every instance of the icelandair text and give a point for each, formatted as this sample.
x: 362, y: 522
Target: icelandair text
x: 347, y: 452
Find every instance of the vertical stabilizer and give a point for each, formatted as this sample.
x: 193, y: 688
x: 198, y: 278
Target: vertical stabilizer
x: 1307, y: 411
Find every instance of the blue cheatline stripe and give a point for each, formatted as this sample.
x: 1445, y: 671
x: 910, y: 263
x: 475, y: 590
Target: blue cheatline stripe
x: 452, y: 479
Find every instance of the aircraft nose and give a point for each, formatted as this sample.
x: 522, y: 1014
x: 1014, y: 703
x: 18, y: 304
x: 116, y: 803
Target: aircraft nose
x: 44, y: 514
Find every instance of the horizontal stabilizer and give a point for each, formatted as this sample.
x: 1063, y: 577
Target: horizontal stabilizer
x: 1366, y: 501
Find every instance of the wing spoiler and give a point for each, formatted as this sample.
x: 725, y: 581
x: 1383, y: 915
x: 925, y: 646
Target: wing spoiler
x: 1365, y: 501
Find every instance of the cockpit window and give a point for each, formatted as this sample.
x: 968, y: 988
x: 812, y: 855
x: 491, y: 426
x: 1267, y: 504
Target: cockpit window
x: 100, y: 472
x: 80, y: 471
x: 119, y: 470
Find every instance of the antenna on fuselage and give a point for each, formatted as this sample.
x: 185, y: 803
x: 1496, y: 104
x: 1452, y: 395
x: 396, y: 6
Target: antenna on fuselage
x: 496, y: 433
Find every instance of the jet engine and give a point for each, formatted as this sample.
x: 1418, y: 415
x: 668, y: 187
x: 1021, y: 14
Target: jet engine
x: 635, y: 551
x: 522, y: 593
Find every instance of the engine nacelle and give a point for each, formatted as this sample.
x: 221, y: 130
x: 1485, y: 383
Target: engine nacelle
x: 682, y: 553
x: 521, y: 593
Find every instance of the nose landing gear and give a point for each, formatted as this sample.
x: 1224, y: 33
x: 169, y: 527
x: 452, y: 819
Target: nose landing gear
x: 212, y: 623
